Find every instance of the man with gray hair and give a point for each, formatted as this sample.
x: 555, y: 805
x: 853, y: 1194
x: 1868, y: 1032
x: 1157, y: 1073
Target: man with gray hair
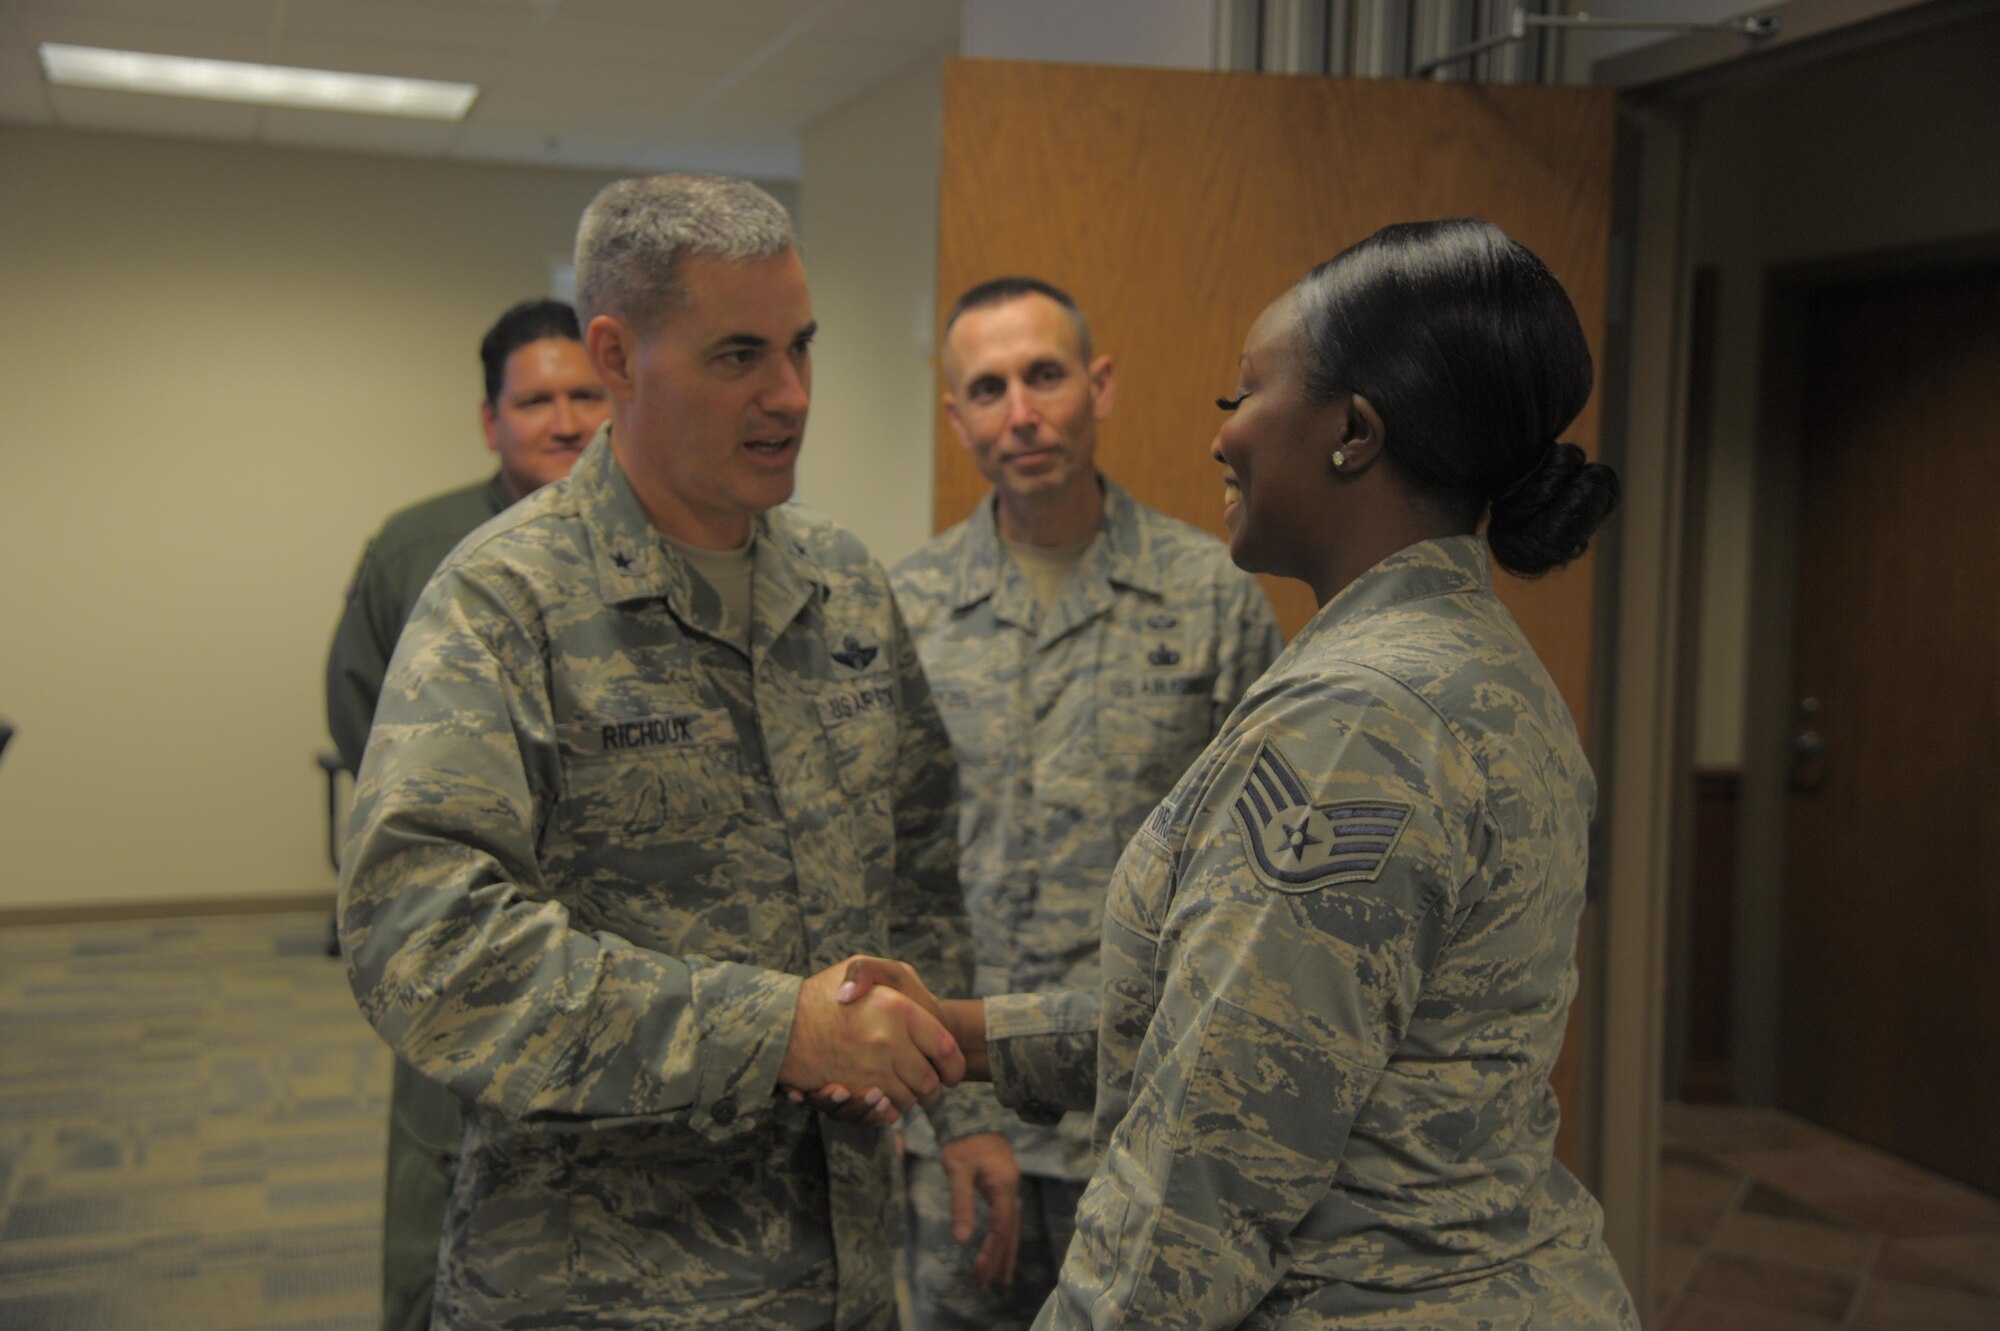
x: 653, y: 757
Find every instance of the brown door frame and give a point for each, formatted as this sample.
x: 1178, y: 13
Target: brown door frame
x: 1767, y: 713
x: 1646, y: 437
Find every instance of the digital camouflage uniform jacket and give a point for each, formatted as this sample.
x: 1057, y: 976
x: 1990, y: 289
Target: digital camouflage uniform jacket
x: 1338, y: 959
x: 593, y: 851
x: 1069, y: 728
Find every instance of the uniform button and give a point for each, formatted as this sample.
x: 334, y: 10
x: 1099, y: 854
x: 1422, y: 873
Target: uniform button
x: 723, y: 1112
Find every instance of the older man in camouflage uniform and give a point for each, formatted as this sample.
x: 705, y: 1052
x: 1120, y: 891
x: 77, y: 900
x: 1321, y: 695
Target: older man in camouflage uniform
x: 1083, y: 649
x: 651, y: 749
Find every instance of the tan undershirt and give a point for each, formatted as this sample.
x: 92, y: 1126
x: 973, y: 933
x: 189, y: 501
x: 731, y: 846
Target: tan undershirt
x: 1046, y: 567
x: 728, y: 571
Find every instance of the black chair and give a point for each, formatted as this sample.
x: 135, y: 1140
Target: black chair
x: 330, y: 764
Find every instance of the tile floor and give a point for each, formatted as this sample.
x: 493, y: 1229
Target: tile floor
x: 191, y: 1137
x: 1771, y: 1223
x: 191, y: 1129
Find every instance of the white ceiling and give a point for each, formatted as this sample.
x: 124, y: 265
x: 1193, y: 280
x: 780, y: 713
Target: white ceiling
x: 707, y: 85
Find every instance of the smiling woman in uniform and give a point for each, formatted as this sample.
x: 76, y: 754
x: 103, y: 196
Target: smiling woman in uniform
x: 1339, y: 956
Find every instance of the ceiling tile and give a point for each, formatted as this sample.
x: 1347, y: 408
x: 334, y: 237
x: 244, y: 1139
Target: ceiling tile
x: 23, y: 94
x: 768, y: 17
x: 382, y: 57
x: 91, y: 108
x: 926, y: 23
x: 138, y: 34
x: 648, y: 47
x: 862, y: 63
x: 630, y: 84
x: 552, y: 86
x: 796, y: 102
x: 328, y: 129
x: 432, y: 23
x: 245, y: 15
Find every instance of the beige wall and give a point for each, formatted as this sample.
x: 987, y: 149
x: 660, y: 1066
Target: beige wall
x: 223, y: 365
x: 1881, y: 150
x: 868, y: 204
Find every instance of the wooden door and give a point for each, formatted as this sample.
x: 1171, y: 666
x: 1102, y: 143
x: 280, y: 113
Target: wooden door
x: 1889, y: 989
x: 1175, y: 205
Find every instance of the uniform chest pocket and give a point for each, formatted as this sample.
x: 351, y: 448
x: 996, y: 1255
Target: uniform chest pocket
x: 1163, y: 715
x: 633, y: 792
x: 859, y: 720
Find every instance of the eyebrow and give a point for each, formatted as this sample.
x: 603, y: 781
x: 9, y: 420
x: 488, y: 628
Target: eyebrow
x: 756, y: 341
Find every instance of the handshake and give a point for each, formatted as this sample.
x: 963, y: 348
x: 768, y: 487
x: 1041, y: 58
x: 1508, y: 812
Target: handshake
x: 869, y: 1040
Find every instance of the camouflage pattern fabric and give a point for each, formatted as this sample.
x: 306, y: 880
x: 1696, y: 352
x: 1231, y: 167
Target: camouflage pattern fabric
x: 594, y: 849
x: 943, y: 1294
x: 1069, y: 726
x: 424, y: 1118
x: 1068, y: 729
x: 1338, y: 959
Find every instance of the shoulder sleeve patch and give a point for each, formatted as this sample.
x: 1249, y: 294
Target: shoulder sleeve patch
x: 1298, y: 846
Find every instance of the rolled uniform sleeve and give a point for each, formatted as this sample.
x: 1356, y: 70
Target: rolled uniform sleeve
x: 1290, y: 932
x: 457, y: 951
x: 1042, y: 1049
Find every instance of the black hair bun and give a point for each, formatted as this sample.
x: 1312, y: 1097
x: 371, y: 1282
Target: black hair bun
x: 1546, y: 519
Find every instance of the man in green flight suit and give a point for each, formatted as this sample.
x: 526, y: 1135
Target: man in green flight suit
x: 654, y: 757
x: 543, y: 403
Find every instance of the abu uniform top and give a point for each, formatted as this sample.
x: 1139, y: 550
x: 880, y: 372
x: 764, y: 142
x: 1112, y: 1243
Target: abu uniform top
x: 594, y: 849
x: 1338, y: 959
x: 1069, y: 726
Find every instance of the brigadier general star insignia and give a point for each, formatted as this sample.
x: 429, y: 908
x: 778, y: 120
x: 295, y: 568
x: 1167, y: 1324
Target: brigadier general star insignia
x: 853, y: 655
x: 1297, y: 846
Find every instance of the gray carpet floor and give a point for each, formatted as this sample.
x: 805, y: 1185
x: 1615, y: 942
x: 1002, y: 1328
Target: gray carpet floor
x: 191, y: 1129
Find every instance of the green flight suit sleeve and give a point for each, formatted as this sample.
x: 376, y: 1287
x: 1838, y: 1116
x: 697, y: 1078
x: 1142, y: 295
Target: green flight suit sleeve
x: 359, y: 658
x: 456, y: 950
x: 1289, y: 961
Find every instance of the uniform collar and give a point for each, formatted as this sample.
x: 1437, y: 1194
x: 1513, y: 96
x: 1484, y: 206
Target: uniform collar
x: 497, y: 496
x: 1444, y: 567
x: 634, y: 564
x: 1119, y: 557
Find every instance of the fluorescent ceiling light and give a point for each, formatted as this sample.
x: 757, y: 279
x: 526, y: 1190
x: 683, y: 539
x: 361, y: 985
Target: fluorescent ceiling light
x: 269, y: 85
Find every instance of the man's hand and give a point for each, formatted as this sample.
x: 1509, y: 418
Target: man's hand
x: 880, y: 1039
x: 965, y: 1018
x: 984, y: 1163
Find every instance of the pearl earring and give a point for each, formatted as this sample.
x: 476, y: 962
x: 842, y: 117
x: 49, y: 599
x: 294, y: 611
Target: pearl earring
x: 1339, y: 457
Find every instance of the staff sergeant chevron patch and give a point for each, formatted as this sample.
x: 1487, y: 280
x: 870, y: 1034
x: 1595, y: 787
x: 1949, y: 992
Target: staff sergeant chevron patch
x: 1300, y: 847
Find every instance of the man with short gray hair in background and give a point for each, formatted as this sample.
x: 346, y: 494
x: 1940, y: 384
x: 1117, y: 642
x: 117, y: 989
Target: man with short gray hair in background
x: 654, y: 756
x: 1084, y: 649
